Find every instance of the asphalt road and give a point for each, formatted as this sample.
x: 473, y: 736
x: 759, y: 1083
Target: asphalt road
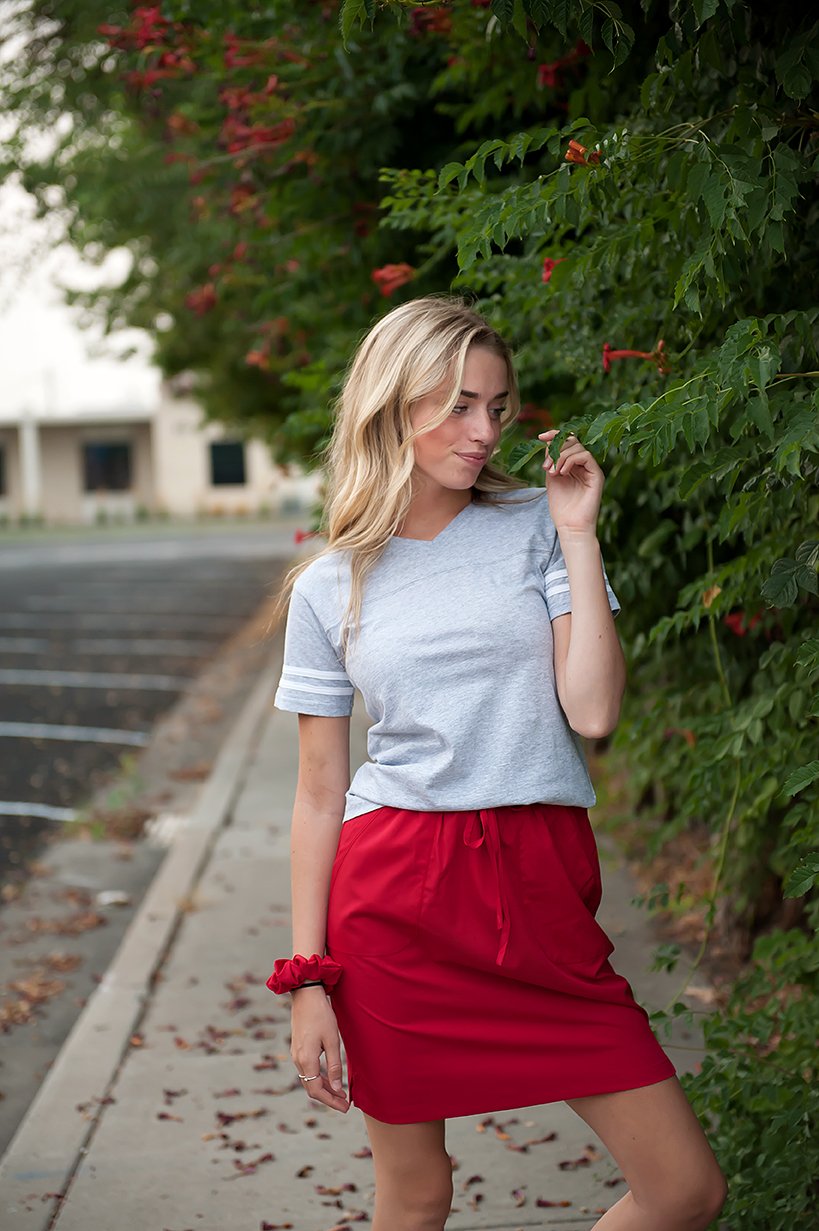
x: 99, y: 634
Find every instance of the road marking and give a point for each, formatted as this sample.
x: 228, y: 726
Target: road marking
x: 143, y: 645
x: 92, y: 679
x: 76, y: 735
x: 101, y: 619
x: 42, y: 812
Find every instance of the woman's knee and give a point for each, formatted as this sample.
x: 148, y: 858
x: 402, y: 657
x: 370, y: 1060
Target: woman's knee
x: 424, y: 1201
x: 413, y: 1175
x: 693, y: 1203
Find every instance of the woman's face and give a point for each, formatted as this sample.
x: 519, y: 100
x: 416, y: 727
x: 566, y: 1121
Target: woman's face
x: 453, y: 454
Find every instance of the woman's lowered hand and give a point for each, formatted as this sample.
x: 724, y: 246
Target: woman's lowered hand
x: 314, y: 1031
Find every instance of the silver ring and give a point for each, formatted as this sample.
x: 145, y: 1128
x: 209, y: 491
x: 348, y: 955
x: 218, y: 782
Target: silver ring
x: 303, y: 1078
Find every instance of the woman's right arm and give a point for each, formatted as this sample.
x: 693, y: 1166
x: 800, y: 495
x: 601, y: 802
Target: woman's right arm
x: 324, y: 777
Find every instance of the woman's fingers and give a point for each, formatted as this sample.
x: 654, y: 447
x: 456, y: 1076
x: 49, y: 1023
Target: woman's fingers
x: 570, y: 455
x: 320, y: 1085
x: 571, y: 449
x: 322, y: 1092
x: 335, y: 1072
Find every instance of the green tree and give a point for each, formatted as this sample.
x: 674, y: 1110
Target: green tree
x: 626, y: 191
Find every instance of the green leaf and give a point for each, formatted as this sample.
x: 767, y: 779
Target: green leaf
x: 760, y: 415
x: 797, y: 82
x: 448, y: 173
x: 781, y: 588
x: 800, y: 778
x: 713, y: 195
x: 352, y: 12
x: 803, y: 877
x: 523, y: 453
x: 703, y: 9
x: 586, y: 25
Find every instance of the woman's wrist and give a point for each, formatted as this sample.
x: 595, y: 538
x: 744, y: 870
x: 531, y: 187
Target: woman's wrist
x: 573, y: 535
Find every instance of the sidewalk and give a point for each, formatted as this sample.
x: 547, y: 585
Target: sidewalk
x: 173, y: 1105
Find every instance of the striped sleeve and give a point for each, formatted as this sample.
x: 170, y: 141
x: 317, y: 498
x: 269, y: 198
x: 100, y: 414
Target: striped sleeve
x: 556, y: 585
x: 313, y: 680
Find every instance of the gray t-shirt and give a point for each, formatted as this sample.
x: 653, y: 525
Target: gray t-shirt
x: 454, y: 662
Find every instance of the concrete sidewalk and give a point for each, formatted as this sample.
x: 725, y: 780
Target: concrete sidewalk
x: 173, y: 1105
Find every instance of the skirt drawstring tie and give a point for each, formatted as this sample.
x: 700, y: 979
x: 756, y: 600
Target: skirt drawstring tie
x: 482, y: 829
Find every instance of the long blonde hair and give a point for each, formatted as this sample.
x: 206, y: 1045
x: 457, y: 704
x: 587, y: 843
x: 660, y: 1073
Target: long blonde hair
x: 369, y: 459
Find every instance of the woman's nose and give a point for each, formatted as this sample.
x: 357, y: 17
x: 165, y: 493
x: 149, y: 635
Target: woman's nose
x: 484, y: 427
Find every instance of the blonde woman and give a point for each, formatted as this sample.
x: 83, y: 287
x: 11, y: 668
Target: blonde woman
x: 444, y: 899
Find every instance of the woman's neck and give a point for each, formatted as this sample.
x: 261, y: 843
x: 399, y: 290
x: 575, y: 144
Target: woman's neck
x: 428, y: 515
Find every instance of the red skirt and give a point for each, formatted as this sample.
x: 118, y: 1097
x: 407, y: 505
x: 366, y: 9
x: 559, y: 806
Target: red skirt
x: 476, y: 977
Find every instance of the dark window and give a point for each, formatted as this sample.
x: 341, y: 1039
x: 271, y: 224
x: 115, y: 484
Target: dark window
x: 227, y: 463
x: 106, y: 467
x: 2, y: 470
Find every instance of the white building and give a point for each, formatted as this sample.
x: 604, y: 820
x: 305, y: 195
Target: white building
x: 85, y: 468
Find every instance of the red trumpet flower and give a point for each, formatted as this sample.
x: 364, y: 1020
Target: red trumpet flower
x: 548, y: 266
x: 657, y: 356
x: 577, y: 153
x: 389, y: 277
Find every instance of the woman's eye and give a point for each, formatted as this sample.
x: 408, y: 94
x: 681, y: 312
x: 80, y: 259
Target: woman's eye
x: 456, y: 410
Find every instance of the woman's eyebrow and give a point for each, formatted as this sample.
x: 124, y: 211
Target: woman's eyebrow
x: 467, y: 393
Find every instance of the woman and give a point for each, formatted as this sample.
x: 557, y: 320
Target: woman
x: 444, y: 900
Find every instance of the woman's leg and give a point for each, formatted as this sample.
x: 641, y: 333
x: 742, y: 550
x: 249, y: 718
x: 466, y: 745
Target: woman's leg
x: 413, y: 1175
x: 674, y: 1180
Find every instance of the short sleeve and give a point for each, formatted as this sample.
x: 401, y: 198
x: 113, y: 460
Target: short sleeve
x: 556, y: 585
x: 313, y: 680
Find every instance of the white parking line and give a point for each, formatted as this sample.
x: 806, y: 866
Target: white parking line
x: 143, y: 645
x: 92, y: 679
x: 42, y: 812
x: 76, y: 735
x: 105, y: 620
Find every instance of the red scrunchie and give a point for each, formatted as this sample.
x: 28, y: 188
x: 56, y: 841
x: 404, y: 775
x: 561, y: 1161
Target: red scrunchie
x: 290, y: 973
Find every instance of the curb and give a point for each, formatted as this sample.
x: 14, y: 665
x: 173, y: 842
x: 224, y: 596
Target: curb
x: 53, y: 1136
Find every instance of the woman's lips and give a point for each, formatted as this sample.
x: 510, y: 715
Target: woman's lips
x: 477, y: 459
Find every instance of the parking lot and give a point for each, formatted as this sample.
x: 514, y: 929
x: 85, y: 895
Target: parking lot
x: 99, y: 634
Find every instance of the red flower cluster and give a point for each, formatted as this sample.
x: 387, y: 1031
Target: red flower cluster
x: 739, y: 623
x: 430, y: 21
x: 241, y: 98
x: 551, y: 74
x: 248, y: 53
x: 148, y: 28
x: 390, y: 277
x: 577, y: 153
x: 242, y: 53
x: 243, y: 197
x: 202, y: 300
x: 237, y: 135
x: 548, y: 266
x: 273, y: 338
x: 150, y: 31
x: 656, y: 356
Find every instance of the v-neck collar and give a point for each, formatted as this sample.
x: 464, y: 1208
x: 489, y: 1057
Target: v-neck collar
x: 459, y: 517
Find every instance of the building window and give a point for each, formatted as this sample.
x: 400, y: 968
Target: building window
x: 107, y: 467
x: 227, y: 463
x: 2, y: 470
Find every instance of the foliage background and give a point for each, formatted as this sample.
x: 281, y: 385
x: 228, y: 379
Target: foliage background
x: 281, y: 174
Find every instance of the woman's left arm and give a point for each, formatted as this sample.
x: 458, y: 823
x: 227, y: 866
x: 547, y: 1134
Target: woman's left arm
x: 590, y: 668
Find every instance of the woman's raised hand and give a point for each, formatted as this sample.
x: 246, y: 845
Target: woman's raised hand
x: 574, y: 485
x: 313, y: 1031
